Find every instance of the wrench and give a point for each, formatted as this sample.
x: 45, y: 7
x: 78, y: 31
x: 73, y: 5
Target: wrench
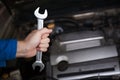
x: 40, y: 22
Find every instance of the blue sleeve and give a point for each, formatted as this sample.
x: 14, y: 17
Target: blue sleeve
x: 7, y: 50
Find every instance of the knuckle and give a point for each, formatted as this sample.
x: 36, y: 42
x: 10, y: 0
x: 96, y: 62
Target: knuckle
x: 48, y: 39
x: 48, y: 45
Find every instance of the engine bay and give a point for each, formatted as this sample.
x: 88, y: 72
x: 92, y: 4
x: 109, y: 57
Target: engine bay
x: 85, y: 42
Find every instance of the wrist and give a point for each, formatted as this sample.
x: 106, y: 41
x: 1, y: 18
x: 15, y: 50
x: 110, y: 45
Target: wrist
x: 21, y: 49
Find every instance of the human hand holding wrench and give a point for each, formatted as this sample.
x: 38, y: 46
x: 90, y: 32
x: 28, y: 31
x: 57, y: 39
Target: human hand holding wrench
x: 40, y: 23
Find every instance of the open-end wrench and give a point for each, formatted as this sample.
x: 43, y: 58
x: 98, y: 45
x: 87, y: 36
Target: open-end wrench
x: 40, y: 22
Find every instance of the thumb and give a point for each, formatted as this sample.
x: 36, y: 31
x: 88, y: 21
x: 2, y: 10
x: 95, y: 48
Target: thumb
x: 45, y: 31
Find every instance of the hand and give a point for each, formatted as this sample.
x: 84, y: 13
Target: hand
x: 36, y: 40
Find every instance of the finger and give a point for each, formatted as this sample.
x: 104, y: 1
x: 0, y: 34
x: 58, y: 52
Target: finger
x: 43, y: 49
x: 45, y: 40
x: 45, y: 35
x: 44, y: 45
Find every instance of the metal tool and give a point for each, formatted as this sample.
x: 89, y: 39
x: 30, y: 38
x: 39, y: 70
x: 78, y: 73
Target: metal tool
x: 40, y: 19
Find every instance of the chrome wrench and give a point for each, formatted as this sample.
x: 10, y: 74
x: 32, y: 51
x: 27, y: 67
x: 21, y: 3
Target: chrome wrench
x: 40, y: 22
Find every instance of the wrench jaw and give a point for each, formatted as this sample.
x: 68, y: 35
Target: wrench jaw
x: 38, y: 64
x: 40, y: 16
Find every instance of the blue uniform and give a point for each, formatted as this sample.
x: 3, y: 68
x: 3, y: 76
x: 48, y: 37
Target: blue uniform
x: 7, y: 51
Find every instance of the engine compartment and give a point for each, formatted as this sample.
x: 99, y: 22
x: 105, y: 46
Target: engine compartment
x: 85, y: 41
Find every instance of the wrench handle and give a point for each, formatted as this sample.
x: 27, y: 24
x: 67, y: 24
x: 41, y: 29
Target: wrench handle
x: 39, y: 53
x: 40, y: 24
x: 39, y: 56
